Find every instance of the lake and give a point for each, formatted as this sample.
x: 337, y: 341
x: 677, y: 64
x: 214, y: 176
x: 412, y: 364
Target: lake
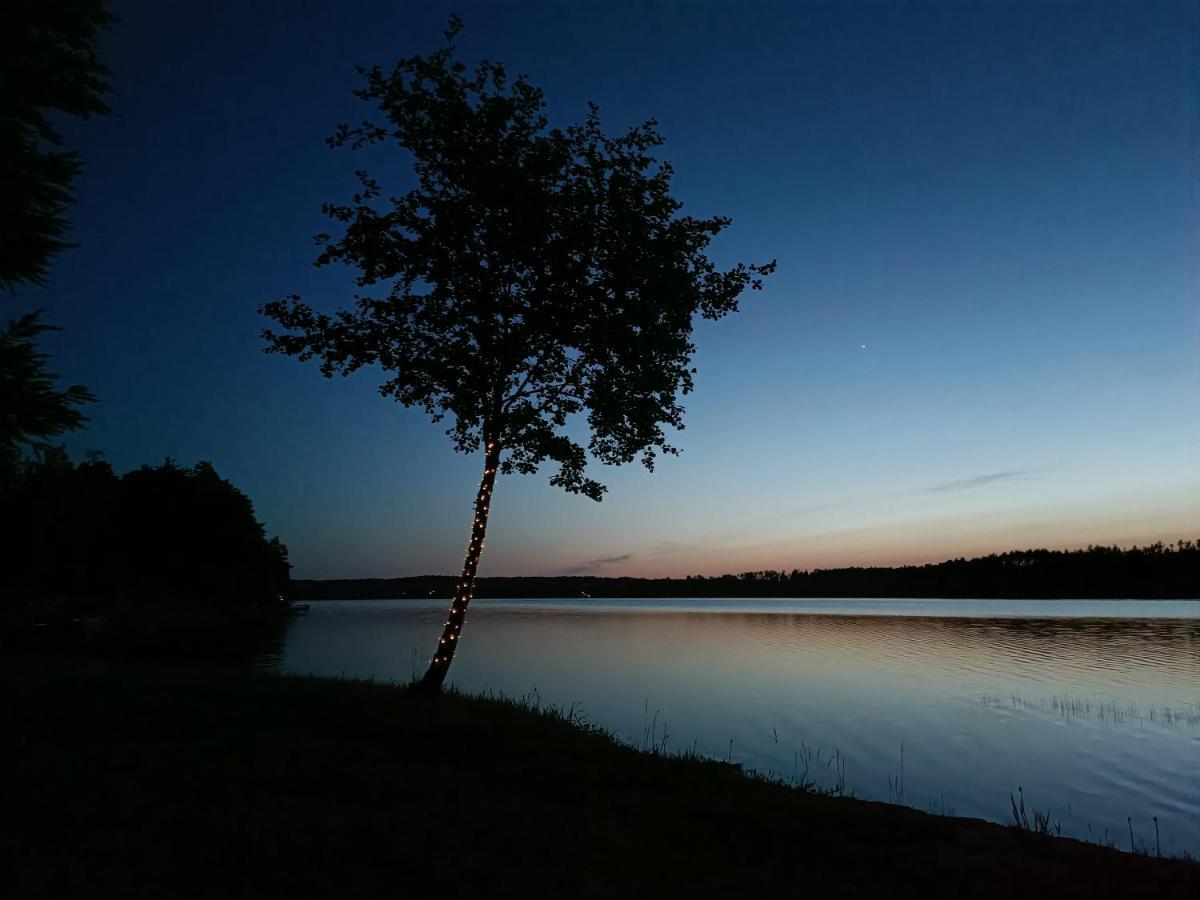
x: 1091, y: 707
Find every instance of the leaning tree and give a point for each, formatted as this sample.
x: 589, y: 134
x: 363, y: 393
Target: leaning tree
x: 532, y: 282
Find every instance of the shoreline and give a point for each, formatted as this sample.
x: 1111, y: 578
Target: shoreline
x: 204, y: 780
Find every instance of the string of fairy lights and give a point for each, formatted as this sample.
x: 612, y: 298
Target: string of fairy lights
x: 462, y: 595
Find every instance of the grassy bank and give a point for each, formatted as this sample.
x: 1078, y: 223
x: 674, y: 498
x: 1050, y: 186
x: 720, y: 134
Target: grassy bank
x: 152, y: 780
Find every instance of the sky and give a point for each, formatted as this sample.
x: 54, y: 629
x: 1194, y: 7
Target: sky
x: 983, y: 333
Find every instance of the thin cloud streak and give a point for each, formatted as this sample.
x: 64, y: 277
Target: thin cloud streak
x: 964, y: 484
x: 591, y: 565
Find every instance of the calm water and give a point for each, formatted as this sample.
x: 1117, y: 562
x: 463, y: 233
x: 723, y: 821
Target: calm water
x: 1093, y: 707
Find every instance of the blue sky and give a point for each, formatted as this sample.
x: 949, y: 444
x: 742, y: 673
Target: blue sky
x: 998, y: 200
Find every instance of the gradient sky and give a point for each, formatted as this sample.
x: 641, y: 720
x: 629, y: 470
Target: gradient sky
x: 998, y: 200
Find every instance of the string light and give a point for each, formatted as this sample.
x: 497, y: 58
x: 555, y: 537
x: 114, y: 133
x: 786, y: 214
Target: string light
x: 463, y: 593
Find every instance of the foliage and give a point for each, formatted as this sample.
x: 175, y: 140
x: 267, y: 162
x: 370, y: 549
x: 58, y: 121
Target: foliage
x: 158, y: 535
x: 533, y: 278
x: 48, y: 65
x: 31, y: 408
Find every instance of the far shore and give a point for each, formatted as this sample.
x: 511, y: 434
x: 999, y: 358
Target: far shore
x: 1156, y: 572
x: 649, y: 598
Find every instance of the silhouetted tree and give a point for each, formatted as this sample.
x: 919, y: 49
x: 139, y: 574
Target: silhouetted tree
x: 534, y: 277
x: 48, y: 65
x: 32, y: 409
x: 156, y: 536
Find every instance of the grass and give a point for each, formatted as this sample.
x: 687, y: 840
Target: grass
x: 1041, y: 818
x: 148, y: 780
x: 1113, y: 712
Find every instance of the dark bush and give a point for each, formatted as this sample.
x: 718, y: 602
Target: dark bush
x: 157, y: 535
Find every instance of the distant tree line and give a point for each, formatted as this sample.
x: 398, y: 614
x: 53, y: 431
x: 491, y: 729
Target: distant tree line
x: 1158, y: 571
x: 158, y: 535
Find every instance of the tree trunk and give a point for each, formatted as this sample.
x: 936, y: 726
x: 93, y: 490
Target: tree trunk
x: 463, y: 591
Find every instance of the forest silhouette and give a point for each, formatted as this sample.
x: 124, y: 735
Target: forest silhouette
x: 81, y: 538
x: 1157, y: 571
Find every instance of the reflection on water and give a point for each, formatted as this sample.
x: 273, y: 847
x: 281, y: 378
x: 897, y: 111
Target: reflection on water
x: 1095, y: 716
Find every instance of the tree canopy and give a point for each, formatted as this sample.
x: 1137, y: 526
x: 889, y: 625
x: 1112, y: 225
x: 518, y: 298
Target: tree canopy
x: 48, y: 65
x: 532, y: 279
x: 156, y: 535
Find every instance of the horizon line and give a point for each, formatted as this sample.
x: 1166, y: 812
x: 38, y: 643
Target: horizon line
x: 1176, y: 545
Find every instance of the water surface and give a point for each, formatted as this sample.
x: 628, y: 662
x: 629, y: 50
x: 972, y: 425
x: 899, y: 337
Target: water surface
x: 1092, y: 707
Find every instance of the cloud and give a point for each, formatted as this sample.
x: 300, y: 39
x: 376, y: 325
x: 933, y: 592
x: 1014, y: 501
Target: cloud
x: 964, y: 484
x: 587, y: 566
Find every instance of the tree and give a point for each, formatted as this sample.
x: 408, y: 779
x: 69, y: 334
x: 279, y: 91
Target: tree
x: 32, y: 410
x: 158, y: 538
x: 534, y: 282
x: 48, y: 64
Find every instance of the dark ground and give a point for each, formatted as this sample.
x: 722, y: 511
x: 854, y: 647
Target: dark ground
x: 140, y: 779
